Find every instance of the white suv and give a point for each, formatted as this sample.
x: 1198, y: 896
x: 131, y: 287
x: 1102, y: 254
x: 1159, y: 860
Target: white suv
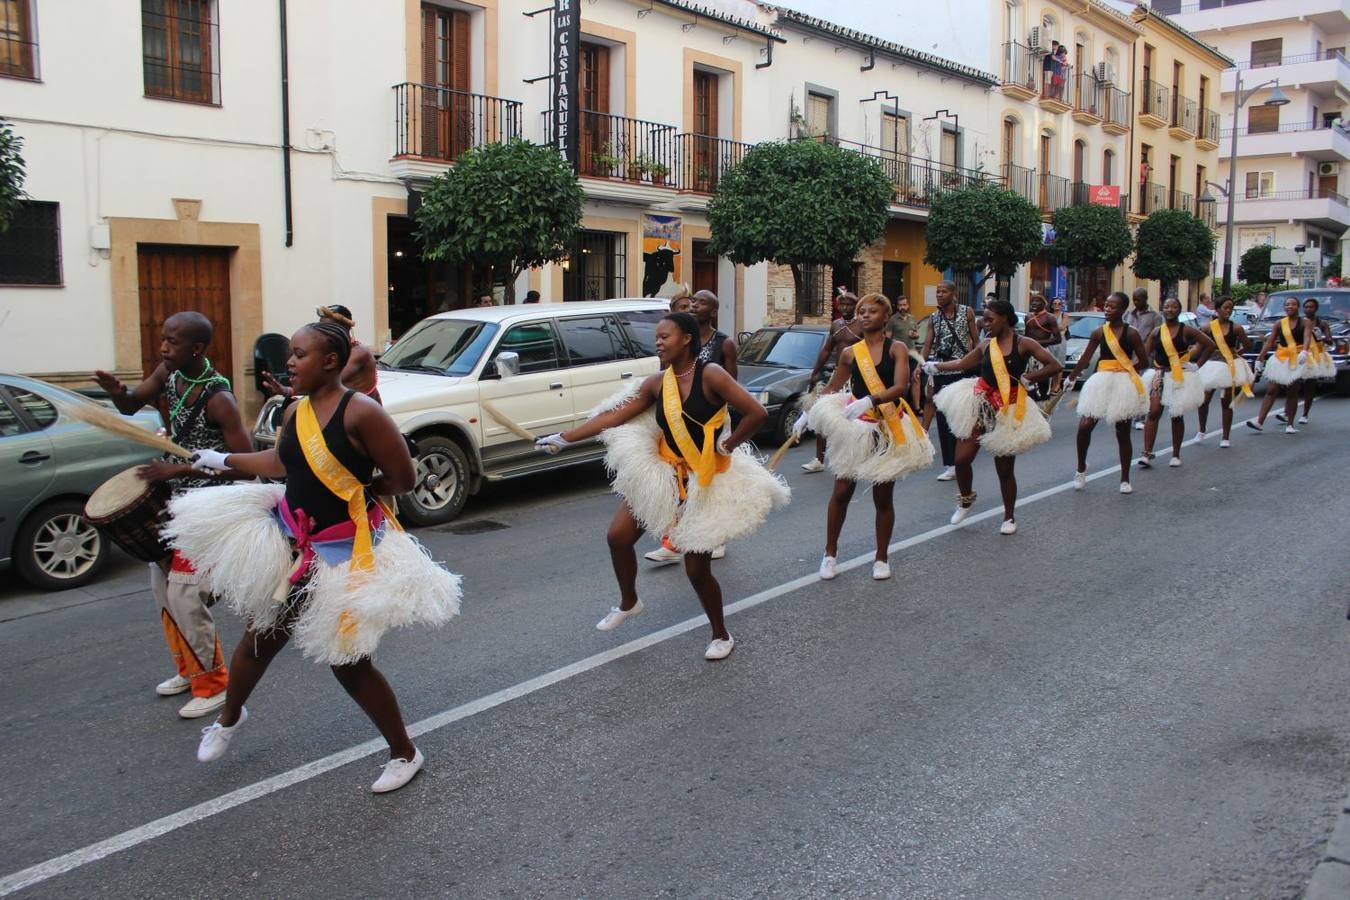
x: 542, y: 366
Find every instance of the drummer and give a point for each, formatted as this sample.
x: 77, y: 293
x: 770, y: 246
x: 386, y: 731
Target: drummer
x: 203, y: 415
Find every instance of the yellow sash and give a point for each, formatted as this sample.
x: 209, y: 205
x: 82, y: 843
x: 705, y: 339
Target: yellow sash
x: 1288, y: 352
x: 704, y: 462
x: 1123, y: 361
x: 1173, y: 359
x: 1227, y: 354
x: 1004, y: 380
x: 889, y: 412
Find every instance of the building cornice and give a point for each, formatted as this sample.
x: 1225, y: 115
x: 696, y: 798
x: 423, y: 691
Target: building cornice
x: 1145, y: 16
x: 1103, y: 16
x: 715, y: 15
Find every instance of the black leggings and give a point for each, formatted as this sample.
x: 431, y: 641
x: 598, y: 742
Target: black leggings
x: 946, y: 440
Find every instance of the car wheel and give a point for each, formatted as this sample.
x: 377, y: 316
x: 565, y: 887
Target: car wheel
x: 793, y: 409
x: 442, y: 485
x: 56, y: 547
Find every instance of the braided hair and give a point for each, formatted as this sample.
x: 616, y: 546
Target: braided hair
x: 1005, y: 309
x: 336, y: 337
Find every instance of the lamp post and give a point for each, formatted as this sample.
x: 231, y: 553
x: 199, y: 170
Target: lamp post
x: 1240, y: 98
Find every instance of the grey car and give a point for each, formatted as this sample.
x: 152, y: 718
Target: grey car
x: 49, y: 465
x: 774, y: 365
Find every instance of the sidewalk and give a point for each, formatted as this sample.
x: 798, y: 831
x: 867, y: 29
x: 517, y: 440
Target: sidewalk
x: 1331, y: 878
x: 121, y: 576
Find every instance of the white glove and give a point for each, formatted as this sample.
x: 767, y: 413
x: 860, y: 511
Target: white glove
x: 551, y: 444
x: 1260, y: 367
x: 858, y: 407
x: 722, y: 445
x: 930, y: 367
x: 209, y: 461
x: 1190, y: 367
x: 799, y: 428
x: 1302, y: 357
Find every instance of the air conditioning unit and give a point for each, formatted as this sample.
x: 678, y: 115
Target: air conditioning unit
x: 1104, y: 73
x: 1328, y: 168
x: 1038, y: 40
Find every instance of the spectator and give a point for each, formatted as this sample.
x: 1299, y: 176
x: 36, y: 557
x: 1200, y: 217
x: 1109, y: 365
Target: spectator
x: 486, y: 300
x: 1205, y: 312
x: 531, y: 297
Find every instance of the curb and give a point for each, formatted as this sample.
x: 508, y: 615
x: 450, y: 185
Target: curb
x: 1331, y: 878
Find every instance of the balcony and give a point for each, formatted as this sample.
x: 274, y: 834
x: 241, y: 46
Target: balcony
x: 1214, y: 15
x: 1185, y: 119
x: 916, y: 181
x: 1322, y: 72
x: 1080, y: 194
x: 1313, y: 140
x: 1155, y: 104
x: 1116, y: 110
x: 1055, y: 86
x: 1181, y: 200
x: 1208, y: 138
x: 434, y: 125
x: 1021, y: 69
x: 1087, y: 99
x: 1052, y: 192
x: 1020, y: 180
x: 1324, y: 209
x: 1150, y: 198
x: 703, y: 161
x: 630, y: 160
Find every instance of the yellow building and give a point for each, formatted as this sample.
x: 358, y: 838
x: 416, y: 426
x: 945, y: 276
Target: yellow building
x: 1174, y: 144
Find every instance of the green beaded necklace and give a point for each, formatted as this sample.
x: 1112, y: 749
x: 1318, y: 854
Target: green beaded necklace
x: 209, y: 375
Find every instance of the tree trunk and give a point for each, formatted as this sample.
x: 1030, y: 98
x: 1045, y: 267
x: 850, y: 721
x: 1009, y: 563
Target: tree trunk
x: 798, y: 292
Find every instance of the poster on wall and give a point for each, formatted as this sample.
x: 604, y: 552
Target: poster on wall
x: 661, y: 270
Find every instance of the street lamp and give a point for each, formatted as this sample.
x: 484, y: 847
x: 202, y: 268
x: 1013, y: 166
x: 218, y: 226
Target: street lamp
x: 1240, y: 97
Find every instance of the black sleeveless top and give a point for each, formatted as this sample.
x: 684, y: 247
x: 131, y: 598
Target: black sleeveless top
x: 1296, y: 328
x: 698, y: 409
x: 1179, y: 342
x: 1229, y: 337
x: 1016, y: 361
x: 885, y: 369
x: 304, y: 490
x: 189, y: 427
x: 715, y: 350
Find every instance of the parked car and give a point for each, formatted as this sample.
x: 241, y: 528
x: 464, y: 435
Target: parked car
x: 1081, y: 326
x: 542, y: 366
x: 774, y: 365
x: 1333, y: 304
x: 49, y: 465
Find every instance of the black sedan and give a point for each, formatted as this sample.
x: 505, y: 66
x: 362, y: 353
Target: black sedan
x: 1333, y: 306
x: 774, y: 365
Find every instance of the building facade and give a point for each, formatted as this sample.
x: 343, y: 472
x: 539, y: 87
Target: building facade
x: 1291, y: 158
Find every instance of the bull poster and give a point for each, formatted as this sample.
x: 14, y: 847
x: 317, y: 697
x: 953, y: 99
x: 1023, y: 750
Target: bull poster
x: 661, y: 269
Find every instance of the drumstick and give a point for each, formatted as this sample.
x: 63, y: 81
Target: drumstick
x: 93, y: 414
x: 778, y: 454
x: 505, y: 421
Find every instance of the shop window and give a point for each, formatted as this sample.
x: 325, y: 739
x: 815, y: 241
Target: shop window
x: 596, y: 267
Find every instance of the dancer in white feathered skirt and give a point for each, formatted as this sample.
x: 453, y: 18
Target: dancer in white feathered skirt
x: 1287, y: 369
x: 317, y: 559
x: 993, y: 410
x: 1174, y: 384
x: 675, y: 474
x: 869, y: 438
x: 1320, y: 365
x: 1115, y: 393
x: 1227, y: 371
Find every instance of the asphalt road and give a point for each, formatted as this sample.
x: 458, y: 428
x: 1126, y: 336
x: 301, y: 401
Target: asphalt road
x: 1135, y: 696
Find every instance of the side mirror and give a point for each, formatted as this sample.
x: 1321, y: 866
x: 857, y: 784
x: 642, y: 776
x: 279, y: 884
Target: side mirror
x: 508, y: 363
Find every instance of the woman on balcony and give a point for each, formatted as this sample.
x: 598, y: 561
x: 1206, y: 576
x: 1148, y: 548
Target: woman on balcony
x: 1288, y: 368
x: 1174, y: 381
x: 1229, y: 374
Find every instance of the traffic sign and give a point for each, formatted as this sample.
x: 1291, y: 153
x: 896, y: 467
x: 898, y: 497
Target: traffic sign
x: 1279, y: 274
x: 1304, y: 271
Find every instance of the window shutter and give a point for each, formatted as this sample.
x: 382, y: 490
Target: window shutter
x: 459, y: 50
x: 601, y: 79
x: 429, y: 73
x: 428, y: 107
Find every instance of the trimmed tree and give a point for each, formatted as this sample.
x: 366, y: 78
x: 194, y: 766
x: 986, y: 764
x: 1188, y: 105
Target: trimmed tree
x: 1254, y: 266
x: 501, y: 207
x: 982, y: 227
x: 12, y: 174
x: 1173, y: 245
x: 1090, y: 236
x: 798, y: 204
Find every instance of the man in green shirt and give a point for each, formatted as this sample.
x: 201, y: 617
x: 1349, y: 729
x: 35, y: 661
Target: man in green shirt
x: 902, y: 326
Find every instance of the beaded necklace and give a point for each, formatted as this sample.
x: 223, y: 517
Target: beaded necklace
x: 209, y: 376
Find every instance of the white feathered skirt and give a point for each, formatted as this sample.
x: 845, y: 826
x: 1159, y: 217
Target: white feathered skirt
x: 1111, y: 397
x: 1216, y: 377
x: 1321, y: 367
x: 967, y: 409
x: 1281, y: 372
x: 1177, y: 399
x: 237, y: 545
x: 735, y: 504
x: 858, y: 450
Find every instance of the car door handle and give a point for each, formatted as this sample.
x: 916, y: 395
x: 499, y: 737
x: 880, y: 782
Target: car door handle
x: 555, y: 385
x: 625, y: 374
x: 32, y: 458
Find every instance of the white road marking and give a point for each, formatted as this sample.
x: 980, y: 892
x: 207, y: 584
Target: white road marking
x: 67, y: 862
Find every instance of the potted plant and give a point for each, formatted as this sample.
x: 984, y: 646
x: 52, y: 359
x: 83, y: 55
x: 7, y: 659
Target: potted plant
x: 657, y: 170
x: 605, y: 162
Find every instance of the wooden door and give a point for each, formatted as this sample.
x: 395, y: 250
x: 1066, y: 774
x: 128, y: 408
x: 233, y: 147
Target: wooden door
x: 1079, y: 62
x: 1079, y: 162
x: 593, y: 87
x: 1044, y: 192
x: 177, y: 279
x: 705, y: 131
x: 448, y: 127
x: 705, y: 268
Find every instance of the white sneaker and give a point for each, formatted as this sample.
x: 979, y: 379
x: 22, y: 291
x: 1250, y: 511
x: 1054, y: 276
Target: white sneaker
x: 881, y: 570
x: 1125, y: 488
x: 1290, y: 429
x: 1174, y: 462
x: 814, y: 465
x: 828, y: 568
x: 1280, y: 416
x: 202, y: 706
x: 1138, y: 426
x: 961, y: 513
x: 1253, y: 426
x: 616, y: 617
x: 663, y: 555
x: 216, y: 738
x: 1199, y: 436
x: 719, y: 552
x: 1008, y: 527
x: 1303, y: 420
x: 948, y: 474
x: 719, y: 649
x: 398, y: 772
x: 175, y: 685
x: 1079, y: 481
x: 1225, y: 444
x: 1145, y: 461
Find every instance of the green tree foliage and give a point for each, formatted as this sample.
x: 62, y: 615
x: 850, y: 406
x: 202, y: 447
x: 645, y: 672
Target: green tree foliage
x: 1254, y: 266
x: 982, y: 227
x: 12, y: 174
x: 1173, y: 245
x: 1091, y: 235
x: 798, y: 203
x: 507, y: 207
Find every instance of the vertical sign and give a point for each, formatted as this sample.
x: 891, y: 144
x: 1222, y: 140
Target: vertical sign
x: 566, y: 40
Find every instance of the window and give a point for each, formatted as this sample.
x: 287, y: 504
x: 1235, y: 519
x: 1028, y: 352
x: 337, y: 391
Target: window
x: 894, y: 133
x: 178, y: 49
x: 819, y: 115
x: 30, y: 251
x: 534, y: 343
x: 590, y: 340
x: 1108, y: 167
x: 36, y: 408
x: 18, y: 44
x: 9, y: 422
x: 1263, y: 119
x: 641, y: 328
x: 951, y: 148
x: 1267, y: 52
x: 1260, y: 184
x: 595, y: 269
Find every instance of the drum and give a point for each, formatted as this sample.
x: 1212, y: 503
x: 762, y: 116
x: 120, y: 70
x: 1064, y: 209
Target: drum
x: 128, y: 511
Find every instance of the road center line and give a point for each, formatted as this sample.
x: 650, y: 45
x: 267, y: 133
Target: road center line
x: 67, y: 862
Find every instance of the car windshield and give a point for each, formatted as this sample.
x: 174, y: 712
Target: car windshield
x: 1330, y: 304
x: 786, y: 349
x: 443, y: 346
x: 1083, y: 326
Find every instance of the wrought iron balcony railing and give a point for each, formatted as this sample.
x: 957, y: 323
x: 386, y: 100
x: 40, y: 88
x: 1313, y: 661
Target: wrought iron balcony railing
x: 438, y: 123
